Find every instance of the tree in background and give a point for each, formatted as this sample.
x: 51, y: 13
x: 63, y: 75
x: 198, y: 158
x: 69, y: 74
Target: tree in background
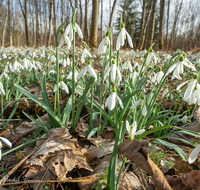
x: 94, y: 24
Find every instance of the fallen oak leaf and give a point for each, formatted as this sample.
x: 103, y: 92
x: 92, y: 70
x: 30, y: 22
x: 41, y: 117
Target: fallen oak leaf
x: 138, y: 152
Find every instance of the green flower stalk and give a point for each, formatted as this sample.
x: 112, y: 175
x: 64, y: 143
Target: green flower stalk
x: 73, y: 69
x: 57, y: 68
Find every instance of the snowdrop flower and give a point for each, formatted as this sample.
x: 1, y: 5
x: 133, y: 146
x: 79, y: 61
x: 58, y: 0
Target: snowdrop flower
x: 70, y: 75
x: 4, y: 74
x: 111, y: 100
x: 66, y: 62
x: 184, y: 118
x: 1, y: 89
x: 64, y: 39
x: 121, y: 38
x: 192, y: 93
x: 134, y: 76
x: 16, y: 67
x: 104, y: 43
x: 85, y: 54
x: 132, y: 130
x: 53, y: 59
x: 89, y: 69
x: 61, y: 85
x: 114, y: 71
x: 165, y: 92
x: 194, y: 154
x: 6, y: 141
x: 150, y: 56
x: 52, y: 71
x: 127, y: 65
x: 159, y: 75
x: 43, y: 54
x: 142, y: 104
x: 178, y: 69
x: 69, y: 30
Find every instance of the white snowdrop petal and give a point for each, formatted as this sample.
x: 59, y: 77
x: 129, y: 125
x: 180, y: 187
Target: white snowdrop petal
x: 6, y: 141
x: 194, y: 154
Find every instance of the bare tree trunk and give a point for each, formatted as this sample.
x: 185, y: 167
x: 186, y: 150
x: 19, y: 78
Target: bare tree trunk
x: 153, y: 22
x: 145, y: 28
x: 86, y: 30
x: 50, y: 21
x: 162, y: 13
x: 33, y: 37
x: 37, y: 23
x: 94, y: 25
x: 112, y: 14
x: 167, y: 25
x: 142, y: 23
x: 101, y: 19
x: 5, y: 22
x: 25, y: 14
x: 81, y: 16
x: 55, y: 25
x: 9, y: 23
x: 62, y: 8
x: 177, y: 12
x: 46, y: 27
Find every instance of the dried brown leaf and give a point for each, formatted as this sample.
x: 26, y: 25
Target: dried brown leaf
x: 61, y: 150
x: 138, y: 152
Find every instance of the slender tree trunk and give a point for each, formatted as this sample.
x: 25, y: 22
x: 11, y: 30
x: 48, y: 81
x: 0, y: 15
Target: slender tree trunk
x: 5, y: 22
x: 94, y: 25
x: 142, y: 23
x: 46, y: 27
x: 50, y: 21
x: 86, y: 30
x: 37, y: 23
x: 101, y: 19
x: 145, y: 27
x: 81, y: 16
x: 55, y: 24
x: 152, y: 23
x: 177, y: 12
x: 167, y: 25
x: 112, y: 14
x: 62, y: 8
x: 162, y: 13
x: 9, y: 22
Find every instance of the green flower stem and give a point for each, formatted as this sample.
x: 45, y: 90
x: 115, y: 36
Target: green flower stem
x: 112, y: 173
x: 2, y: 109
x: 21, y: 145
x: 73, y: 69
x: 120, y: 171
x: 100, y: 131
x: 6, y: 89
x: 73, y: 82
x: 91, y: 108
x: 16, y: 95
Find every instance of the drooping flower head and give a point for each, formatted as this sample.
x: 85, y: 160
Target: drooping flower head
x: 178, y: 68
x: 6, y: 141
x: 64, y: 39
x: 62, y: 86
x: 114, y: 71
x: 112, y: 99
x: 88, y: 69
x: 121, y: 38
x: 104, y: 44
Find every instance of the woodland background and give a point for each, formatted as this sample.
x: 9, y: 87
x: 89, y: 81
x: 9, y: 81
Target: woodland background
x: 170, y: 24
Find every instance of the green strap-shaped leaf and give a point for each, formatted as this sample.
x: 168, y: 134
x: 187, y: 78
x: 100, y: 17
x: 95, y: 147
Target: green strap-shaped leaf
x: 67, y: 111
x: 173, y: 146
x: 83, y: 97
x: 42, y: 104
x: 46, y: 99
